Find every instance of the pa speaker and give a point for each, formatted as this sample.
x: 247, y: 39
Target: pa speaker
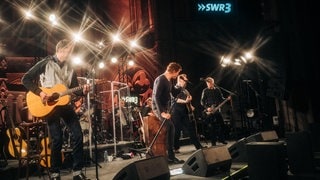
x: 264, y: 136
x: 300, y: 153
x: 267, y: 160
x: 208, y: 162
x: 155, y: 168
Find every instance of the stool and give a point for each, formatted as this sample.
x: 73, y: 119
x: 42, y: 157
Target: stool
x: 33, y: 155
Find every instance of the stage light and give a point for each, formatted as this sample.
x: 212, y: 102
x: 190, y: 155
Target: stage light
x: 77, y: 37
x: 101, y: 65
x: 238, y: 58
x: 243, y: 59
x: 77, y: 60
x: 248, y: 55
x: 115, y: 38
x: 28, y: 14
x: 114, y: 60
x: 101, y: 45
x: 237, y: 62
x: 133, y: 44
x: 53, y: 19
x: 130, y: 62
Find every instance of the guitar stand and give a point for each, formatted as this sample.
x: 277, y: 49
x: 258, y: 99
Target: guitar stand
x: 32, y: 156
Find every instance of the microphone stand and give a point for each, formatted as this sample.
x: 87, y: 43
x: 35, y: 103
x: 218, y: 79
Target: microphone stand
x: 230, y: 92
x: 93, y: 119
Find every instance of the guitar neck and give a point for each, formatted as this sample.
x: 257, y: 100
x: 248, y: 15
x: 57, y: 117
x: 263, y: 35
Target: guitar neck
x: 221, y: 104
x: 72, y: 90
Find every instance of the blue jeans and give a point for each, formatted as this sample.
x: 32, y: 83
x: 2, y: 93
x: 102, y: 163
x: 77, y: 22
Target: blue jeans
x: 71, y: 120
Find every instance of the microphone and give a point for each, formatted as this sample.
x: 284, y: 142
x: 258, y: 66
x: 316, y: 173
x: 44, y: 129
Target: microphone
x: 186, y: 80
x: 189, y: 82
x: 202, y: 79
x: 246, y: 80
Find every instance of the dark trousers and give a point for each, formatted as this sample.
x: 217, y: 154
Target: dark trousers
x: 181, y: 122
x: 215, y: 128
x: 170, y: 138
x: 71, y: 120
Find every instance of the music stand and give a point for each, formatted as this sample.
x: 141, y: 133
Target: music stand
x: 125, y: 86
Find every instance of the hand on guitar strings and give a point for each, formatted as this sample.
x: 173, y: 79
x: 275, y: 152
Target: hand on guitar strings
x: 46, y: 98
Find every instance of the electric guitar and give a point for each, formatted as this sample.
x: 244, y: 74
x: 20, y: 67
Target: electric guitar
x: 216, y: 108
x: 59, y: 96
x: 46, y: 153
x: 17, y: 146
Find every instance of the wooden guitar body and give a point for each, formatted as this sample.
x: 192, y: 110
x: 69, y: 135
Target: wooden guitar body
x: 16, y: 142
x: 46, y: 153
x: 39, y: 109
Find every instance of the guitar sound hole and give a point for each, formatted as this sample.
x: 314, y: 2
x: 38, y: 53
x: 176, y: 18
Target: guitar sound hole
x: 54, y: 97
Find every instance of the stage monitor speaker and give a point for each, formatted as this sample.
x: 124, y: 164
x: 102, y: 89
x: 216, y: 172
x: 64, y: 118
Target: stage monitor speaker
x: 155, y: 168
x: 267, y: 160
x: 238, y: 151
x: 264, y: 136
x: 207, y: 162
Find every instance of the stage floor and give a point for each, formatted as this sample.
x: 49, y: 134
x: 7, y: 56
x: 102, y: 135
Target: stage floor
x: 108, y: 170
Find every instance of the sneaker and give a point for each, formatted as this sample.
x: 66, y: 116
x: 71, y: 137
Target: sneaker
x: 176, y: 151
x: 175, y: 161
x: 223, y: 142
x: 55, y: 176
x: 80, y: 177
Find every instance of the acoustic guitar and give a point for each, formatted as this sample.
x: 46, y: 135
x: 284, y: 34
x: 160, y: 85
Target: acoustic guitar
x: 46, y: 153
x: 191, y: 115
x: 59, y: 96
x: 17, y: 146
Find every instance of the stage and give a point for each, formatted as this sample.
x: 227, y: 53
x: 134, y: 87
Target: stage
x: 109, y: 169
x: 260, y: 155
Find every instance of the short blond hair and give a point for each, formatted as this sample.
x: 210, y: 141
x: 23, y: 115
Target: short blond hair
x: 63, y: 44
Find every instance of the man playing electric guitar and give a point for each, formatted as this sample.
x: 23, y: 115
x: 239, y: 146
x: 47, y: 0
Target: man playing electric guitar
x: 212, y: 100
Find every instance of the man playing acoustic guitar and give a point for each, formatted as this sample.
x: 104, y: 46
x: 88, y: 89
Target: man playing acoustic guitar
x: 212, y: 100
x: 54, y: 74
x: 182, y: 113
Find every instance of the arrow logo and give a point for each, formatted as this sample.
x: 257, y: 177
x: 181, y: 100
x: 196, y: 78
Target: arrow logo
x: 201, y: 7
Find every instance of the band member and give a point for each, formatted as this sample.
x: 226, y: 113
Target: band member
x: 51, y: 71
x: 147, y: 108
x: 161, y: 105
x: 182, y: 113
x: 210, y: 98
